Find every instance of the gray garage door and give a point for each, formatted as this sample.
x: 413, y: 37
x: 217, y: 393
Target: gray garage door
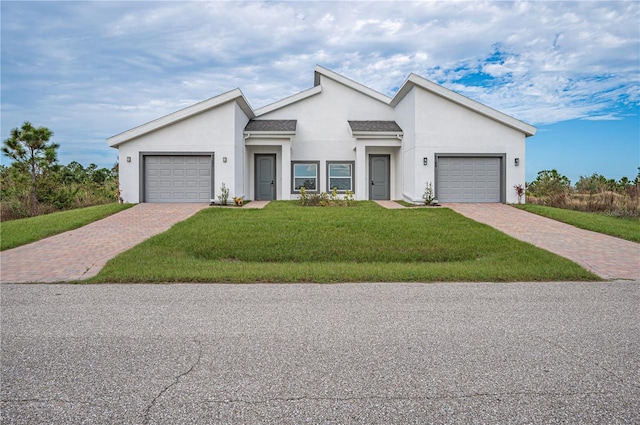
x: 177, y: 178
x: 468, y: 179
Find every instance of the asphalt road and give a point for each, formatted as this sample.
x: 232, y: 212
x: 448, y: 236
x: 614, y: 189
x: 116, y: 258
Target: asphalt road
x: 354, y: 353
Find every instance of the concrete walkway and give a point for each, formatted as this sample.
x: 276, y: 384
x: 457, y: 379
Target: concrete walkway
x: 81, y: 253
x: 256, y: 204
x: 390, y: 205
x: 606, y: 256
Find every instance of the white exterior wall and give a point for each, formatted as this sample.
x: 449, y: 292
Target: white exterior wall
x: 211, y: 131
x: 239, y: 186
x: 323, y: 133
x: 442, y: 126
x: 411, y: 163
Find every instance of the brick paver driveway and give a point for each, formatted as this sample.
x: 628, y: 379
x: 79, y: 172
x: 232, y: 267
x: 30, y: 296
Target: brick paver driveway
x: 606, y: 256
x: 81, y: 253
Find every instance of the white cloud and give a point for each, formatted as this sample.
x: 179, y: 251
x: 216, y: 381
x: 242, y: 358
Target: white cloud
x: 111, y: 65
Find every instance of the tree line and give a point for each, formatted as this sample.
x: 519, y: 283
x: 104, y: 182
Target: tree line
x: 594, y: 193
x: 36, y: 183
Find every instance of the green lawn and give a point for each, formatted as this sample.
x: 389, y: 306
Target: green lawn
x: 14, y: 233
x: 626, y: 228
x: 288, y: 243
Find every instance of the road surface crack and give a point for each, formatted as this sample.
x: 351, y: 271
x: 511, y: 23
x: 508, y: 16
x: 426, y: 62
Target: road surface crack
x: 176, y: 379
x: 497, y: 395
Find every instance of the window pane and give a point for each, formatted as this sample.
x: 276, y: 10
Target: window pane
x: 342, y: 183
x: 339, y: 170
x: 305, y: 170
x: 340, y: 176
x: 308, y: 183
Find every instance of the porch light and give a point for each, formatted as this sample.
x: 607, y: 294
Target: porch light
x: 425, y: 160
x: 517, y: 161
x: 224, y: 159
x: 128, y: 159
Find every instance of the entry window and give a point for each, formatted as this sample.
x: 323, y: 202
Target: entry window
x: 340, y: 176
x: 305, y: 174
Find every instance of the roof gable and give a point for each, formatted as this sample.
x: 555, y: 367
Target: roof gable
x: 288, y: 100
x: 413, y: 81
x: 424, y: 84
x: 233, y: 95
x: 319, y: 71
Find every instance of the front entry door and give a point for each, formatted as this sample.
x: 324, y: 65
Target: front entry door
x: 379, y: 188
x: 265, y: 177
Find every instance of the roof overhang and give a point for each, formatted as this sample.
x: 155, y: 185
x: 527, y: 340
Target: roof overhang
x: 270, y: 129
x: 270, y: 134
x: 377, y: 134
x: 418, y: 81
x: 230, y: 96
x: 375, y: 130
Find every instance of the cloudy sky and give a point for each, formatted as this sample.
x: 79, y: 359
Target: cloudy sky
x: 90, y: 70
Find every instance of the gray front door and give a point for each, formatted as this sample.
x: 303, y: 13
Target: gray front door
x: 265, y: 177
x: 379, y: 188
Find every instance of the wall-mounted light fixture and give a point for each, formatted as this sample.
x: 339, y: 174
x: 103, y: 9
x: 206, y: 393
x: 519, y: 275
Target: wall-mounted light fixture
x: 425, y: 160
x: 128, y: 159
x: 224, y: 159
x: 517, y: 161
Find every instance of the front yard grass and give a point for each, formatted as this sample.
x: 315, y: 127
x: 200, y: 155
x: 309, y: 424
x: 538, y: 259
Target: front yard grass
x: 622, y: 227
x: 14, y: 233
x: 364, y: 243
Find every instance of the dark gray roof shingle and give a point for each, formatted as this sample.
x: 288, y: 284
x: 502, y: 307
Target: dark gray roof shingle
x: 271, y: 125
x: 391, y: 126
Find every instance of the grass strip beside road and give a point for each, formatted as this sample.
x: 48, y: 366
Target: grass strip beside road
x: 14, y: 233
x: 622, y: 227
x: 364, y: 243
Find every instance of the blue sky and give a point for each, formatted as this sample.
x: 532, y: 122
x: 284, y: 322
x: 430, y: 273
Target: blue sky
x: 90, y: 70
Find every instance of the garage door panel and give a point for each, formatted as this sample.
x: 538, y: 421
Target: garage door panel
x: 468, y: 179
x: 177, y: 178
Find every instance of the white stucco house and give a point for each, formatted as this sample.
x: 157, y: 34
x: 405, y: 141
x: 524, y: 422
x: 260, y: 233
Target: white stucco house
x: 339, y: 133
